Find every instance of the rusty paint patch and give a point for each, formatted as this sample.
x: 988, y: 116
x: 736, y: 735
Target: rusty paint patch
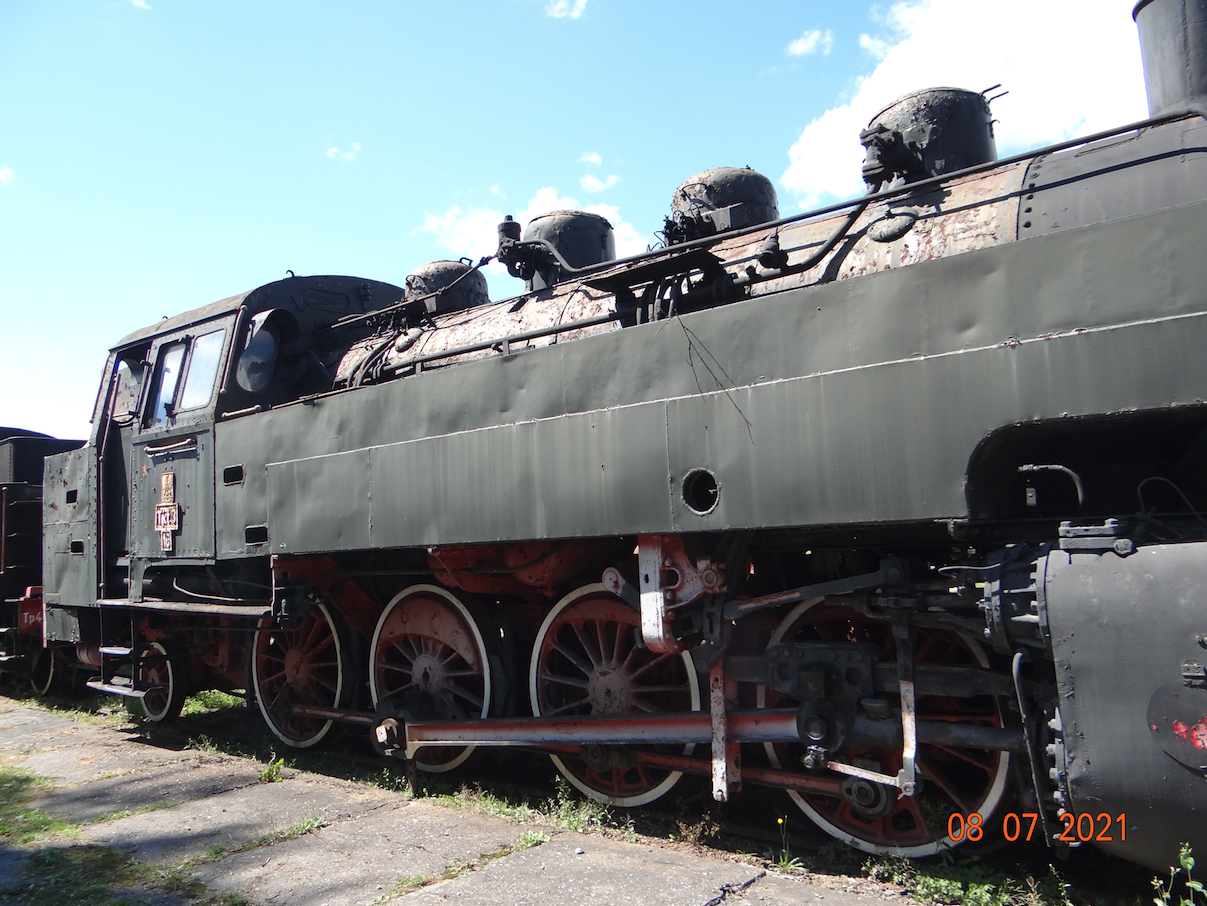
x: 1196, y: 735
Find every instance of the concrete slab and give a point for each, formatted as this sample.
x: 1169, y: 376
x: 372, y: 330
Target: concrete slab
x: 191, y: 778
x: 579, y: 869
x: 356, y: 862
x: 774, y: 890
x: 233, y: 818
x: 373, y: 837
x: 78, y: 759
x: 29, y: 730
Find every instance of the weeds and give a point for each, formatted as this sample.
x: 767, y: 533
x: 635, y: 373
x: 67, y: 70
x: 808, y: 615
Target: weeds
x: 531, y: 838
x: 568, y: 811
x: 1164, y: 892
x: 696, y: 833
x: 967, y: 882
x: 403, y: 885
x: 786, y: 862
x: 271, y: 772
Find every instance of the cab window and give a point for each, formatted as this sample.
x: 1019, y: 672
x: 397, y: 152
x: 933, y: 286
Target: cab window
x: 167, y: 377
x: 203, y: 368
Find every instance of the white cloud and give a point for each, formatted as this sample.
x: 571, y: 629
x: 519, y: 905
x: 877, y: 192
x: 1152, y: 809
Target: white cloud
x: 1078, y: 74
x: 473, y: 233
x: 877, y: 47
x: 811, y: 42
x: 6, y: 175
x: 564, y: 9
x: 590, y: 157
x: 349, y: 155
x: 141, y: 4
x: 592, y: 183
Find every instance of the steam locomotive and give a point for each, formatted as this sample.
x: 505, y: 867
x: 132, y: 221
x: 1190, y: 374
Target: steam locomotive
x: 897, y: 506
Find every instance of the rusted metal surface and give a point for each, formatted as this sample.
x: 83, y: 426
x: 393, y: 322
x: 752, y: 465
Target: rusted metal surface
x: 542, y: 567
x: 976, y: 212
x: 340, y: 591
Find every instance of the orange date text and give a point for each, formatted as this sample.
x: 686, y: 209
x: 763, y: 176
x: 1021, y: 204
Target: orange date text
x: 1083, y: 828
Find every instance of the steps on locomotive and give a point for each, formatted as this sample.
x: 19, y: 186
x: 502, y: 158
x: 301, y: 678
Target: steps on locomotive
x: 123, y: 686
x: 119, y: 666
x: 8, y: 640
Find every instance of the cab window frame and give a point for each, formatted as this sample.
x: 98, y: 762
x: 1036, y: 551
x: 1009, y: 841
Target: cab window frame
x: 154, y: 415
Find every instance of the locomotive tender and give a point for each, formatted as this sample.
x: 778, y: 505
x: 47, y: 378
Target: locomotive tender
x: 897, y: 506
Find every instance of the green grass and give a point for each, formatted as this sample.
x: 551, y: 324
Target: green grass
x: 403, y: 885
x: 22, y: 825
x: 97, y: 876
x: 130, y: 812
x: 968, y: 882
x: 211, y: 701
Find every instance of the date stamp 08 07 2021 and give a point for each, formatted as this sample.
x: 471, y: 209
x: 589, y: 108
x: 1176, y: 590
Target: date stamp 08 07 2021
x: 1082, y: 828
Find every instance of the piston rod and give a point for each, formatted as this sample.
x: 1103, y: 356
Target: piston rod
x: 771, y: 725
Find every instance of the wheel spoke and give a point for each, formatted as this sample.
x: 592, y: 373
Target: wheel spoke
x: 563, y: 680
x: 943, y: 782
x: 650, y: 690
x: 564, y: 708
x: 987, y: 767
x: 595, y: 656
x: 622, y: 635
x: 585, y: 668
x: 655, y: 662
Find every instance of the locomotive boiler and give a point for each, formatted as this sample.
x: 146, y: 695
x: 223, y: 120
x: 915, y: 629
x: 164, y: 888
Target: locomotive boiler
x: 897, y: 506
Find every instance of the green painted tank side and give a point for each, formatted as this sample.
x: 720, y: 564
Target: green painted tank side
x: 851, y: 403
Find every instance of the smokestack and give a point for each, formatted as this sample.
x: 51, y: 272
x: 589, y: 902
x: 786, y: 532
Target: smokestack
x: 1173, y: 43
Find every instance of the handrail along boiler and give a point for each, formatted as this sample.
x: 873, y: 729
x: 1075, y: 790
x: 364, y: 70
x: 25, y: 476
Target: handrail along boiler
x: 897, y: 506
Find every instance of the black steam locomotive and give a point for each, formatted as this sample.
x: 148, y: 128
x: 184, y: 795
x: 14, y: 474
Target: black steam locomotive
x: 899, y: 506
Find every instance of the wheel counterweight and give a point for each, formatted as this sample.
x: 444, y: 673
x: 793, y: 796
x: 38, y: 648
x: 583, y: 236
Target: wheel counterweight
x: 586, y: 660
x: 302, y: 665
x: 873, y: 817
x: 429, y: 654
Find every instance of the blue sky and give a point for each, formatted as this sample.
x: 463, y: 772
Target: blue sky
x: 158, y: 155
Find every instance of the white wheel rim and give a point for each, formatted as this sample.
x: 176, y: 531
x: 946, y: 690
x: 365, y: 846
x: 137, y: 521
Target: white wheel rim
x: 339, y: 688
x: 167, y: 696
x: 480, y: 648
x: 693, y: 685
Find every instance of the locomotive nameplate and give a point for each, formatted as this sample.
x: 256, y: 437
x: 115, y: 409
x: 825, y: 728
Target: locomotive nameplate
x: 167, y: 511
x: 167, y: 517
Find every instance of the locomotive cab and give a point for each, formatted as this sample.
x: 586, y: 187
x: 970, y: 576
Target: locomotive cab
x: 130, y: 516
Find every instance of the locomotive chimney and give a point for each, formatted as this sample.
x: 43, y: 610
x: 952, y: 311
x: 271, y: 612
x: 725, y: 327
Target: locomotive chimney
x: 1173, y: 43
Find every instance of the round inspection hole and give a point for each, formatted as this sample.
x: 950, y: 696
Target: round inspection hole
x: 700, y: 491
